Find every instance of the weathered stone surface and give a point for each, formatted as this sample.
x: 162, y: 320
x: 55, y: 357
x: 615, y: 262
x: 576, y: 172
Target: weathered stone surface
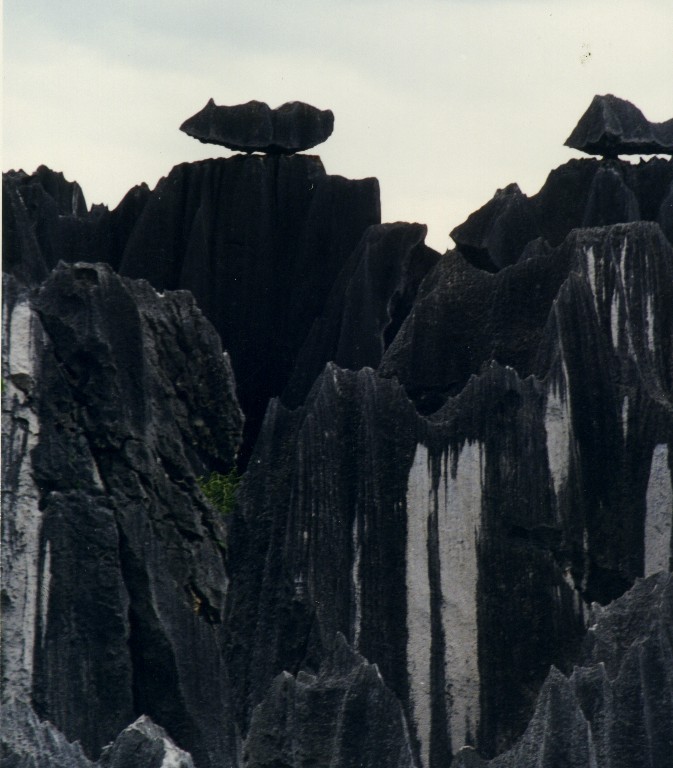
x: 144, y: 744
x: 115, y: 398
x: 355, y: 479
x: 28, y: 742
x: 453, y: 513
x: 581, y: 193
x: 616, y: 709
x: 45, y: 220
x: 370, y: 298
x: 463, y: 316
x: 255, y: 127
x: 21, y: 253
x: 665, y: 218
x: 495, y: 235
x: 613, y: 126
x: 342, y: 716
x: 259, y: 241
x: 355, y: 510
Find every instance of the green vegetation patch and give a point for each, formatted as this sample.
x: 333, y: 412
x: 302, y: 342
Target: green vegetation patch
x: 220, y: 489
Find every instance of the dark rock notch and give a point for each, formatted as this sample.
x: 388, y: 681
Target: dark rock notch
x: 370, y: 298
x: 616, y: 708
x: 613, y: 126
x: 255, y: 127
x: 115, y: 399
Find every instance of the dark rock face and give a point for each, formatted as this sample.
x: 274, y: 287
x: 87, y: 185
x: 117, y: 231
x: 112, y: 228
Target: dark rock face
x: 359, y: 720
x: 613, y: 126
x: 438, y: 546
x: 419, y: 499
x: 579, y: 194
x: 45, y: 220
x: 259, y: 241
x: 28, y: 742
x: 499, y: 483
x: 370, y: 298
x: 255, y: 127
x: 115, y: 398
x: 144, y: 744
x: 616, y: 708
x: 496, y: 234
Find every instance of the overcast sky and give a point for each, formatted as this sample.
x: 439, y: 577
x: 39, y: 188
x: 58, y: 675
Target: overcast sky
x: 444, y: 101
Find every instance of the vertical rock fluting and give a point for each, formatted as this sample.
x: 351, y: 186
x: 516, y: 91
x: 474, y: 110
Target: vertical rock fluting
x: 472, y: 453
x: 49, y: 216
x: 616, y: 708
x: 113, y: 577
x: 359, y: 720
x: 368, y: 302
x: 493, y: 523
x: 374, y: 514
x: 259, y: 241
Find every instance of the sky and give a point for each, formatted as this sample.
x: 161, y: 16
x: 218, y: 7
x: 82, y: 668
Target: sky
x: 444, y: 101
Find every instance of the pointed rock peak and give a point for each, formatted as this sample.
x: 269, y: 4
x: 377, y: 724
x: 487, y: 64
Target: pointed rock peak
x: 144, y: 743
x: 255, y: 127
x: 613, y: 126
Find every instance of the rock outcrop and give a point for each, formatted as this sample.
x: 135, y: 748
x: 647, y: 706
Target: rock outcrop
x: 115, y: 399
x: 452, y: 535
x: 144, y: 744
x: 45, y: 220
x: 580, y: 194
x: 616, y: 708
x: 359, y: 720
x: 369, y: 300
x: 613, y: 126
x: 28, y: 742
x: 255, y: 127
x: 259, y: 241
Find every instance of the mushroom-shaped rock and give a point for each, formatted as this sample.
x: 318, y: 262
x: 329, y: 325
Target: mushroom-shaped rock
x: 613, y: 126
x: 255, y: 127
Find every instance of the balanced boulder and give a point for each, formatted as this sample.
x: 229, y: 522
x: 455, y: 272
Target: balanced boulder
x: 613, y: 126
x: 255, y: 127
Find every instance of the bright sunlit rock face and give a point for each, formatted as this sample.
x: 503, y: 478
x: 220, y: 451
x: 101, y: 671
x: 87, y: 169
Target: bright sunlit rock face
x: 25, y: 563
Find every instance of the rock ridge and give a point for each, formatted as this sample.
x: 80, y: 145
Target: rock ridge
x: 612, y: 126
x: 255, y: 127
